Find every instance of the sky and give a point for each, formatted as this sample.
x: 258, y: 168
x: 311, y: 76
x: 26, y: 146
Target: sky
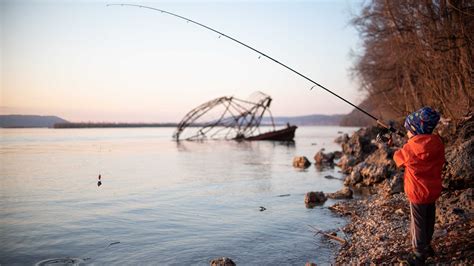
x: 84, y: 61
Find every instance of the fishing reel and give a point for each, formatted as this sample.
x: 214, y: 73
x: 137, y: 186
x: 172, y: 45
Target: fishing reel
x: 384, y: 136
x: 386, y: 131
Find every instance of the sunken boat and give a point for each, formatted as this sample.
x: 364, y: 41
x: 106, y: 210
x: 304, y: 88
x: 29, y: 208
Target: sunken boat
x: 231, y: 118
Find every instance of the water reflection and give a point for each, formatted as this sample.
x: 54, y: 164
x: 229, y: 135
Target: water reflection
x: 166, y: 202
x: 324, y: 167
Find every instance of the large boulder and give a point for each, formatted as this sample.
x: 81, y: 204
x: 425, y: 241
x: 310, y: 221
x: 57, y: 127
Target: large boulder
x: 301, y: 162
x: 459, y: 168
x: 377, y: 167
x: 358, y: 147
x: 344, y: 193
x: 393, y: 184
x: 360, y: 144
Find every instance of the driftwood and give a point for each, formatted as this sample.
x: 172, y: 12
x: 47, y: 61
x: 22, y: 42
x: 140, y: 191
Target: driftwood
x: 318, y: 231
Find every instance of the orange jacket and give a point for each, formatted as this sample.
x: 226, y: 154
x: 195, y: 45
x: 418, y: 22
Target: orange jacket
x: 423, y: 159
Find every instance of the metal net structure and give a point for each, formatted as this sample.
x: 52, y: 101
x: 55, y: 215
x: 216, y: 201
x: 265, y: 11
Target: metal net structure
x: 225, y: 118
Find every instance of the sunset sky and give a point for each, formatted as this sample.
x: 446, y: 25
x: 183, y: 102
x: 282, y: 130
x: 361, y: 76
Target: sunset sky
x: 83, y: 61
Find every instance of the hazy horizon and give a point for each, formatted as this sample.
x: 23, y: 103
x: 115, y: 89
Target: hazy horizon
x: 158, y: 122
x: 83, y: 61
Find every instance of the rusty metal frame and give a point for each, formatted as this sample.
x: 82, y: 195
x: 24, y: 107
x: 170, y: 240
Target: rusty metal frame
x: 238, y: 120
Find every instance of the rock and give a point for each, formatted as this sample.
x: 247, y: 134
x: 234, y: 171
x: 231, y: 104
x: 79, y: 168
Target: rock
x: 332, y: 177
x: 453, y: 133
x: 224, y: 261
x: 455, y: 206
x: 393, y: 184
x: 315, y: 197
x: 346, y: 163
x: 399, y: 212
x: 355, y: 176
x: 344, y: 193
x: 439, y: 233
x: 377, y: 167
x: 322, y: 158
x: 301, y: 162
x: 379, y: 227
x: 338, y: 154
x: 364, y: 191
x: 360, y: 143
x: 459, y: 169
x: 342, y: 139
x: 446, y: 129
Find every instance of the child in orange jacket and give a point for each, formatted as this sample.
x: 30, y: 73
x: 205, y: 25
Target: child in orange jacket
x: 423, y: 159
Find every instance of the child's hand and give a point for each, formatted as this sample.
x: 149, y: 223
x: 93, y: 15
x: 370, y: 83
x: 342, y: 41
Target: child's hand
x: 390, y: 142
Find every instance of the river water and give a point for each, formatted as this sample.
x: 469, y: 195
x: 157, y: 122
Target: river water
x: 161, y: 202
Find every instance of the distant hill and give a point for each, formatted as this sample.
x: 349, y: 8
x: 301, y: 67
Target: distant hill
x: 110, y: 125
x: 307, y: 120
x: 12, y: 121
x: 15, y: 121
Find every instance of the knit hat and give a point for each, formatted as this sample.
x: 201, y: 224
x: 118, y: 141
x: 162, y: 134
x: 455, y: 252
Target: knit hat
x: 422, y: 121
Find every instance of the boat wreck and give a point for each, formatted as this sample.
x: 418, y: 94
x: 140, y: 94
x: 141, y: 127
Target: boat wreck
x: 230, y: 118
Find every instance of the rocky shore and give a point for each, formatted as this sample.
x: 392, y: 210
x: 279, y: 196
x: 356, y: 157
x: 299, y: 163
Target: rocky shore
x: 378, y: 231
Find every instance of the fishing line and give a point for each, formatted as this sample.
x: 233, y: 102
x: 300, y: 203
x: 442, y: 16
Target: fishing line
x: 267, y: 56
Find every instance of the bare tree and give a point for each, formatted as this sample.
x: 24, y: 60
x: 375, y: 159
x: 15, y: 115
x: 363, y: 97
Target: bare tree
x: 418, y: 53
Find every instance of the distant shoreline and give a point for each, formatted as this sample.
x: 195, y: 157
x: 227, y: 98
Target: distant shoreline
x: 112, y: 125
x: 35, y: 121
x: 142, y: 125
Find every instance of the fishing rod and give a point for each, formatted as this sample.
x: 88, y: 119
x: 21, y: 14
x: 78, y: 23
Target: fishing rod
x: 381, y: 123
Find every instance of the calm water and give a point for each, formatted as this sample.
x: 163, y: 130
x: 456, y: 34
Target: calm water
x: 166, y: 203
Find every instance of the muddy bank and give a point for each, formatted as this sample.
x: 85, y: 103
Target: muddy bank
x: 378, y: 231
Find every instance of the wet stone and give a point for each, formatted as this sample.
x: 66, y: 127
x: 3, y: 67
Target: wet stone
x: 224, y: 261
x: 344, y: 193
x: 322, y: 158
x: 301, y: 162
x: 315, y: 197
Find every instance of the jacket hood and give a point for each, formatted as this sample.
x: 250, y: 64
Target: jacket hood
x: 427, y: 146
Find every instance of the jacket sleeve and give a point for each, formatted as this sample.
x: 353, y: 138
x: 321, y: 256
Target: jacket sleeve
x: 401, y: 156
